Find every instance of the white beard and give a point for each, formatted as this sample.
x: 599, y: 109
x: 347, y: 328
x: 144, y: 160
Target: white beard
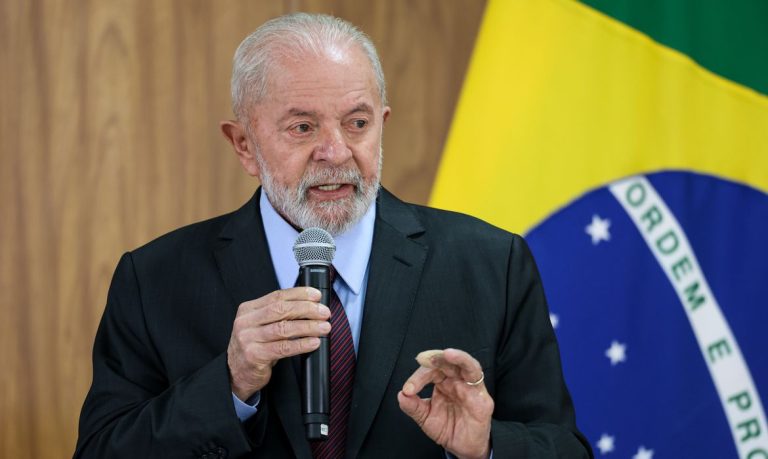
x: 336, y: 217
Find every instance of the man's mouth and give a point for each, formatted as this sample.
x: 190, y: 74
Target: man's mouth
x: 332, y: 191
x: 329, y: 187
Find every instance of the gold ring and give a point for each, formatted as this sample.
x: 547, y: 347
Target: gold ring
x: 482, y: 377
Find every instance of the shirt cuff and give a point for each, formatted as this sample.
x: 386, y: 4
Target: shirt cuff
x: 246, y: 409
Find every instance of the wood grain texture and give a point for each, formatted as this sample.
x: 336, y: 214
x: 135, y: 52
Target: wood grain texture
x: 109, y: 137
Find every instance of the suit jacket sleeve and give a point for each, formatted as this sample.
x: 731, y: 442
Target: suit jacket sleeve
x: 534, y: 415
x: 133, y: 411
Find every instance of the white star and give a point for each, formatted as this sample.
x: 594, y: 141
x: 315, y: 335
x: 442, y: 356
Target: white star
x: 617, y: 352
x: 554, y: 320
x: 598, y: 229
x: 643, y: 453
x: 605, y: 444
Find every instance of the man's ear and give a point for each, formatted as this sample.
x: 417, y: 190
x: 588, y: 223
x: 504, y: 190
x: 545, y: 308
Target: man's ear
x: 386, y: 113
x: 234, y: 132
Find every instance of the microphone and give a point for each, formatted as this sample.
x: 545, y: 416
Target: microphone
x: 314, y: 250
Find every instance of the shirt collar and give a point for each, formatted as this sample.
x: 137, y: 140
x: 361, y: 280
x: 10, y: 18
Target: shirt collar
x: 353, y: 247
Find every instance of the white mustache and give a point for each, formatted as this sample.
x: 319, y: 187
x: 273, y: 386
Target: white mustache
x: 330, y: 176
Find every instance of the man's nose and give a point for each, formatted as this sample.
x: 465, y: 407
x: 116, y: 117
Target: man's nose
x: 332, y: 146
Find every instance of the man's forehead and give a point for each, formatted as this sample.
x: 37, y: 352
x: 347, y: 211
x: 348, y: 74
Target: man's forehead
x: 335, y: 69
x: 330, y: 91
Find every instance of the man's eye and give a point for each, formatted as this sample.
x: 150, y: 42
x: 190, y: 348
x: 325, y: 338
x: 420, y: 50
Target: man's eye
x: 359, y: 124
x: 302, y: 128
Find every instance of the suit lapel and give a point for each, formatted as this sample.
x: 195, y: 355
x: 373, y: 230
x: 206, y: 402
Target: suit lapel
x: 396, y: 264
x: 246, y: 267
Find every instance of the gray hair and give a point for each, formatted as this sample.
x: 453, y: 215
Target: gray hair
x: 291, y: 36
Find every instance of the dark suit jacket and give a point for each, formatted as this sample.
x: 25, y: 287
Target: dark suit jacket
x: 437, y: 279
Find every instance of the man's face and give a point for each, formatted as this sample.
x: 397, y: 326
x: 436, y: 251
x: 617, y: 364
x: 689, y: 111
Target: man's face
x: 316, y: 139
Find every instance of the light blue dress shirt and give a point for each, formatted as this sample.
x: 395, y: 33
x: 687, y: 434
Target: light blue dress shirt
x: 353, y: 250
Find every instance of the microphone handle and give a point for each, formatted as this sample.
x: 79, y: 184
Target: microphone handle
x: 315, y: 380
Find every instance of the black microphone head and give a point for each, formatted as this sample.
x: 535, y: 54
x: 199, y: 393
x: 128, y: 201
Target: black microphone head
x: 314, y: 246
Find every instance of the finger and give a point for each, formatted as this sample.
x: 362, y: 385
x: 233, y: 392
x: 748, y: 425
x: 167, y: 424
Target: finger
x: 287, y: 329
x: 257, y: 319
x: 436, y: 360
x: 426, y: 358
x: 287, y: 310
x: 454, y: 363
x: 290, y: 294
x: 420, y: 378
x: 292, y: 310
x: 297, y: 293
x: 469, y: 368
x: 415, y: 407
x: 288, y: 348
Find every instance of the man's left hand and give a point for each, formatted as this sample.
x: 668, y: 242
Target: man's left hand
x: 458, y: 416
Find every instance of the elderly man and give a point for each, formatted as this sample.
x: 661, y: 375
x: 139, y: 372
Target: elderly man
x: 196, y: 355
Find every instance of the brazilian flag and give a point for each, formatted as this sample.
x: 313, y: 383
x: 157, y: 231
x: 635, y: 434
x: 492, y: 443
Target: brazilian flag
x: 628, y: 141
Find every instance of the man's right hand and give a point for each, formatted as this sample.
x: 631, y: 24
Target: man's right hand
x: 282, y: 324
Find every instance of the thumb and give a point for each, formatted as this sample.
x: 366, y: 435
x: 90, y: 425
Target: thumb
x: 415, y: 407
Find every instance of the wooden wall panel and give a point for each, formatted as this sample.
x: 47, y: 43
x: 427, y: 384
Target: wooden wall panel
x: 109, y: 137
